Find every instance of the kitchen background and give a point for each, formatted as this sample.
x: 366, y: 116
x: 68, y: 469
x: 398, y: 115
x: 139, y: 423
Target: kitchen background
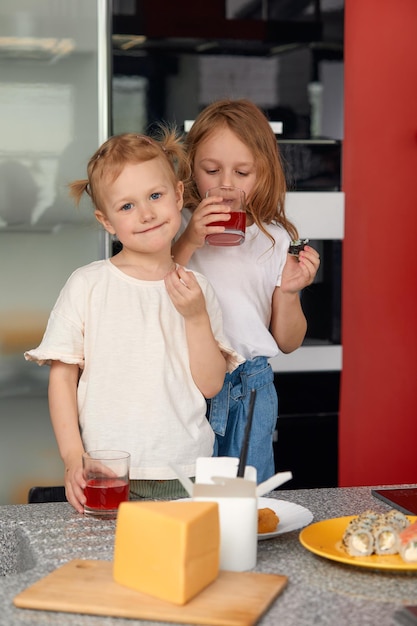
x: 71, y: 73
x: 54, y: 77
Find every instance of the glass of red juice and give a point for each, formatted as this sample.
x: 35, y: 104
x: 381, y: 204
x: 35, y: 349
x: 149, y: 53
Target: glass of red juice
x: 106, y: 473
x: 234, y: 228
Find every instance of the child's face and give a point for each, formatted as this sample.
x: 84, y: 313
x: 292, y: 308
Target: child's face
x: 142, y: 207
x: 223, y: 159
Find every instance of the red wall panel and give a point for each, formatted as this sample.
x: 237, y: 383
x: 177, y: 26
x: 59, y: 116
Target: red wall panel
x: 378, y: 402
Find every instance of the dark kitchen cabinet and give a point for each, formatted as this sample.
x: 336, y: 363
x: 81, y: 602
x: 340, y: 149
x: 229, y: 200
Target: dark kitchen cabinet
x: 307, y: 430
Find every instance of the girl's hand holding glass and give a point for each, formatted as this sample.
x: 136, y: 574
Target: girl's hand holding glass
x: 233, y: 233
x: 75, y: 484
x: 210, y: 210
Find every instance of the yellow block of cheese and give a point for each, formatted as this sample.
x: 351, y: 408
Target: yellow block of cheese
x: 170, y: 550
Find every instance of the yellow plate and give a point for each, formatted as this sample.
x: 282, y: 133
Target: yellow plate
x: 325, y: 539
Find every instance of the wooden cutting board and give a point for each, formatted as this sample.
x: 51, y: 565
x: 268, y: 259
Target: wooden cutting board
x: 87, y: 586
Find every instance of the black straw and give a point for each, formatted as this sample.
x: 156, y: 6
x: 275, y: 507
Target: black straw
x: 245, y: 444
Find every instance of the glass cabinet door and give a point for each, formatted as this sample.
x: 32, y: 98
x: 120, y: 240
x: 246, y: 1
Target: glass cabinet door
x: 54, y: 76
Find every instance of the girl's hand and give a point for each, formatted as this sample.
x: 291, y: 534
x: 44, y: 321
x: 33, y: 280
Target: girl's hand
x: 207, y: 363
x: 301, y: 272
x: 185, y: 293
x: 75, y: 484
x: 209, y: 210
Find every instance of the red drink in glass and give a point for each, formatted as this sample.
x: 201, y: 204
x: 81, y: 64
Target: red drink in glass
x: 106, y: 475
x: 106, y: 493
x: 234, y: 234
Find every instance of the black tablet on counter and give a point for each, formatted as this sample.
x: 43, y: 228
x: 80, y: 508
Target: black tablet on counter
x: 407, y: 616
x: 402, y: 498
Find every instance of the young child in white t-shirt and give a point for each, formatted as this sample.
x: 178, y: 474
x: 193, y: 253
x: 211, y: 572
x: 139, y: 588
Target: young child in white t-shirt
x: 258, y: 283
x: 135, y: 342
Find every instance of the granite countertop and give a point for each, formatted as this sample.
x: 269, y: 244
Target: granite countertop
x: 35, y: 539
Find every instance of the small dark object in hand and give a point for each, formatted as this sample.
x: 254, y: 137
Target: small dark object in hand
x: 296, y: 246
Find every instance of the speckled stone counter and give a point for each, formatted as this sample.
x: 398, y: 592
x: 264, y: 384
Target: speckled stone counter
x: 35, y: 539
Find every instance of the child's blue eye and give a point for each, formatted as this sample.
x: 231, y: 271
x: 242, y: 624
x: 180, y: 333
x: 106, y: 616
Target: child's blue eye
x: 127, y: 206
x: 155, y: 195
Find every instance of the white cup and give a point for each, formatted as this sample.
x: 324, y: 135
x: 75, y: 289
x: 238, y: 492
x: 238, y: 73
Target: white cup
x: 238, y: 509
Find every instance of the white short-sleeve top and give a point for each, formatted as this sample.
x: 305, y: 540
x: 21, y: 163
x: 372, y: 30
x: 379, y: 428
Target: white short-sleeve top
x: 135, y: 392
x: 244, y: 278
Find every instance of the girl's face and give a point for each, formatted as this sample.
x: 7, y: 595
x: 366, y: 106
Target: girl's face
x: 223, y: 159
x: 142, y: 207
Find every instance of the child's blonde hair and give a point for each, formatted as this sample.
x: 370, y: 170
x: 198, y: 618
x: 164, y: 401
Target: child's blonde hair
x: 266, y: 203
x: 108, y: 161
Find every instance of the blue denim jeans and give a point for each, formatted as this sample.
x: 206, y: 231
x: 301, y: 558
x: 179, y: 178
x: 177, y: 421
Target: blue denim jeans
x: 228, y: 413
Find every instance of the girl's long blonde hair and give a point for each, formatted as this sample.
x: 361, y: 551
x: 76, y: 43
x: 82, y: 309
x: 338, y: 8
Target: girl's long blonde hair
x: 266, y: 204
x: 108, y: 161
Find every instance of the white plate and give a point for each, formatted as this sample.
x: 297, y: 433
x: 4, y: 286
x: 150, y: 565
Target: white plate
x: 291, y: 516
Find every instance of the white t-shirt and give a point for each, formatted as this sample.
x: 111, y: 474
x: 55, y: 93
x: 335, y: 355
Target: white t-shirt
x: 244, y: 278
x: 135, y: 392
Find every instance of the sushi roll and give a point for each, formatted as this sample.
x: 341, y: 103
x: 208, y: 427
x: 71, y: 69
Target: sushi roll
x: 296, y: 245
x: 368, y: 517
x: 397, y: 518
x: 386, y: 539
x: 408, y: 543
x: 380, y: 533
x: 386, y: 531
x: 358, y: 539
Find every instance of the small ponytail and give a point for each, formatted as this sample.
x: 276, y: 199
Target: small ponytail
x: 77, y: 188
x: 171, y: 142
